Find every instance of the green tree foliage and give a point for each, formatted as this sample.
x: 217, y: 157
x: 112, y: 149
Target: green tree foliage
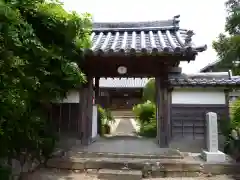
x: 149, y: 91
x: 235, y: 111
x: 228, y: 46
x: 149, y: 129
x: 144, y: 112
x: 232, y: 143
x: 146, y: 115
x: 40, y: 47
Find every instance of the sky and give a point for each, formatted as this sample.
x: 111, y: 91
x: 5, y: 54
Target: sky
x: 206, y: 18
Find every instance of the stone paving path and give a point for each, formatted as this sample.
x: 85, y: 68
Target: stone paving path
x: 44, y: 174
x: 124, y: 127
x: 122, y: 144
x: 122, y: 141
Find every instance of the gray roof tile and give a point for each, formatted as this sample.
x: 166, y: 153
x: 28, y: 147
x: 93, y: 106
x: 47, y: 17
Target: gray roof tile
x: 154, y: 37
x: 204, y: 82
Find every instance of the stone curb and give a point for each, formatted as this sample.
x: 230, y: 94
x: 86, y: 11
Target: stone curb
x: 117, y: 155
x: 119, y: 174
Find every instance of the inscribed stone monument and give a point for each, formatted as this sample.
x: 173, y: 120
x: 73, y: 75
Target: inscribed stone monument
x: 212, y: 154
x: 212, y: 132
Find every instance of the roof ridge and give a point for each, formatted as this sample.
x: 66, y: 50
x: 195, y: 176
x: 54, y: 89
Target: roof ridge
x: 170, y: 23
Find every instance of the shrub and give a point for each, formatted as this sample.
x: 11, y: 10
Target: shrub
x: 235, y: 120
x: 5, y: 172
x: 144, y: 112
x: 233, y: 143
x: 231, y: 131
x: 104, y: 116
x: 149, y: 129
x: 234, y: 110
x: 109, y: 116
x: 149, y: 91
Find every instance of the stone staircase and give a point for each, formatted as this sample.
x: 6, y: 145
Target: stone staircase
x: 110, y: 166
x: 121, y: 114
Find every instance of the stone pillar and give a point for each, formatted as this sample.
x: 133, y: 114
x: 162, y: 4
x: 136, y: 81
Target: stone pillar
x: 212, y: 154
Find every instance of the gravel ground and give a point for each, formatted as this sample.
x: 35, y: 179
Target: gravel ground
x: 46, y: 174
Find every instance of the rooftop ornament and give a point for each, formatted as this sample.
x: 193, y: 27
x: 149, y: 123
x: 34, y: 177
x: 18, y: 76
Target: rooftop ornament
x: 188, y: 39
x: 176, y: 20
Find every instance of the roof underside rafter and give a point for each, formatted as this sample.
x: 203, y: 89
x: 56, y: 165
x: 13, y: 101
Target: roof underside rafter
x: 142, y: 38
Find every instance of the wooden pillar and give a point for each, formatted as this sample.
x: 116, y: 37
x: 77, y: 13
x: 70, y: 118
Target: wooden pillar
x: 97, y: 101
x: 158, y: 115
x: 89, y: 109
x: 169, y: 101
x: 162, y: 112
x: 82, y: 111
x: 97, y: 90
x: 85, y: 112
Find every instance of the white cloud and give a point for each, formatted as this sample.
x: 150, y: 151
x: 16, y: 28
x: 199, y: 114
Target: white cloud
x: 206, y: 18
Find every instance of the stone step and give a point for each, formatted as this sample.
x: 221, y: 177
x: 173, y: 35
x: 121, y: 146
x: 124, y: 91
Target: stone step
x: 56, y: 174
x: 149, y: 167
x: 109, y: 174
x: 175, y: 154
x: 123, y: 114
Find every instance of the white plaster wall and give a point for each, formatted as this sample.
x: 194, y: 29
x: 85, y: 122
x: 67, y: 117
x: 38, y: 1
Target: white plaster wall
x: 72, y: 97
x: 94, y: 122
x: 198, y: 97
x: 234, y: 94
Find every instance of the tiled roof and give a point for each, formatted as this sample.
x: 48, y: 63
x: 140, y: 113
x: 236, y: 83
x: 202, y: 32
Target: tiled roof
x: 214, y: 79
x: 204, y: 82
x: 207, y: 76
x: 209, y: 80
x: 209, y: 66
x: 154, y: 37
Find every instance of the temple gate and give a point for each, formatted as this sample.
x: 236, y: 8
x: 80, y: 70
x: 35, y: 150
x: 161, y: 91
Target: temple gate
x: 138, y: 49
